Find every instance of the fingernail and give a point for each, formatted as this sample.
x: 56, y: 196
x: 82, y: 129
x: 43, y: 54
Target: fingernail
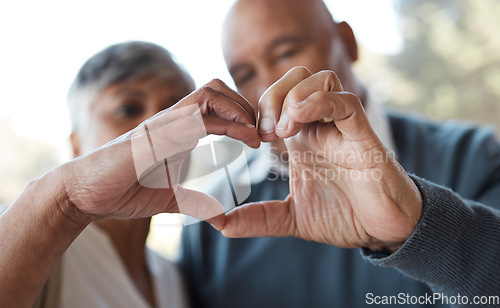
x: 266, y: 125
x: 300, y: 104
x: 283, y: 122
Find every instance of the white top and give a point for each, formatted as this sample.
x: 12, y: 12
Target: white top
x: 93, y: 275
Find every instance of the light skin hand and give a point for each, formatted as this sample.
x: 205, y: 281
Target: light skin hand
x: 345, y: 188
x: 40, y: 225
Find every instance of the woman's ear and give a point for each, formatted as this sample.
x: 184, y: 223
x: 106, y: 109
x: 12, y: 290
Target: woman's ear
x: 347, y: 37
x: 74, y: 138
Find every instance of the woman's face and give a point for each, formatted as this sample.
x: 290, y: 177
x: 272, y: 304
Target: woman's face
x: 121, y: 107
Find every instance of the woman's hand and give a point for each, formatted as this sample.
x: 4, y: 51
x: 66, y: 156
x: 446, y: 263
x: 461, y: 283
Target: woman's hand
x: 137, y: 174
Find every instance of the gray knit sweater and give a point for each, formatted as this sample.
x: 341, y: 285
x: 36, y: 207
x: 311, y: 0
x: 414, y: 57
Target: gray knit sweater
x: 455, y: 248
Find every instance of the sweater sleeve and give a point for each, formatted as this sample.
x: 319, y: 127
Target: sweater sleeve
x: 455, y: 248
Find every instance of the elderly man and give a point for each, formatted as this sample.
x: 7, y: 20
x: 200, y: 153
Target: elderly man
x: 346, y: 188
x: 343, y: 187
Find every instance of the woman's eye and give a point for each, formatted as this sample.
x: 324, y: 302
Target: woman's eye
x: 129, y: 110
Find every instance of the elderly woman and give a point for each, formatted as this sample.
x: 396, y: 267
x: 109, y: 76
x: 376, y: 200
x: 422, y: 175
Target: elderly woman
x: 133, y: 127
x: 108, y: 265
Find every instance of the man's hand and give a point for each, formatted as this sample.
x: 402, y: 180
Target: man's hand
x: 137, y: 174
x: 345, y: 188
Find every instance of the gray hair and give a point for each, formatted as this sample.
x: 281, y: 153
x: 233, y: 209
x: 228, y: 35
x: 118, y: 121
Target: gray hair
x: 123, y: 62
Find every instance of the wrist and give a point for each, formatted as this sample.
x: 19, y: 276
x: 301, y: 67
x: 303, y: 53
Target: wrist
x: 409, y: 204
x: 36, y: 230
x: 381, y: 246
x: 64, y: 211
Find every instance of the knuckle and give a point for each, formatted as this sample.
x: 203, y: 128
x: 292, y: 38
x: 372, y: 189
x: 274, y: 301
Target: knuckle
x: 205, y: 97
x: 324, y: 96
x: 295, y: 96
x: 331, y: 80
x: 206, y: 91
x: 352, y: 98
x: 324, y: 100
x: 301, y: 71
x: 217, y: 83
x: 267, y: 97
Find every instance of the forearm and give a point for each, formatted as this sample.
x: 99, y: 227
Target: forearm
x: 454, y: 248
x: 35, y: 232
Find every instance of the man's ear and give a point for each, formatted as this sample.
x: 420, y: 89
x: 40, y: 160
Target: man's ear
x: 347, y: 37
x: 75, y: 144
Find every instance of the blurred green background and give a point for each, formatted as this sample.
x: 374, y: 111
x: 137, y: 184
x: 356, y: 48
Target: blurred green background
x: 450, y: 63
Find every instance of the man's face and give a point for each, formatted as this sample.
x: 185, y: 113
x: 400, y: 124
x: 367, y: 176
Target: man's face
x: 121, y: 107
x: 262, y: 40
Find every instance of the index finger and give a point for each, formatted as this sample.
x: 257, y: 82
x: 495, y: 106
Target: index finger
x: 225, y: 90
x: 271, y: 102
x: 217, y: 97
x: 328, y: 81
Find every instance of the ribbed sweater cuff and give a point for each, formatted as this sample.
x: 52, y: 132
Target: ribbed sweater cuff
x: 454, y: 248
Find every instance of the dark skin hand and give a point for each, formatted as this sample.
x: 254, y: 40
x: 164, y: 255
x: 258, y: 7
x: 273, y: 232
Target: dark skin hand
x: 60, y: 204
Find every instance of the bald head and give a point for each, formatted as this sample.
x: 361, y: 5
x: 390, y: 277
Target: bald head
x: 311, y: 15
x: 309, y: 11
x: 263, y: 39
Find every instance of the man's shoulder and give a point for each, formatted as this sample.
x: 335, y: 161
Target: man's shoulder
x: 449, y: 153
x: 411, y: 121
x: 415, y: 130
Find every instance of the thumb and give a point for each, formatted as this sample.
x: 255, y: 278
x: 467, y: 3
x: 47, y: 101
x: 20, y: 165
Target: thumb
x: 268, y: 218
